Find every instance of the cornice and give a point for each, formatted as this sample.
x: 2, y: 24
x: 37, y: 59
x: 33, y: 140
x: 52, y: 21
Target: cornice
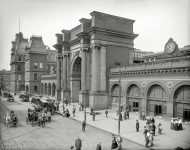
x: 111, y: 32
x: 149, y: 72
x: 83, y: 35
x: 75, y: 41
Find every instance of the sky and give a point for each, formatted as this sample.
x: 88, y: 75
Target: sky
x: 155, y: 20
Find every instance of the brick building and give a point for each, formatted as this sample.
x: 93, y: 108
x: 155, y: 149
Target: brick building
x: 29, y: 61
x: 5, y: 80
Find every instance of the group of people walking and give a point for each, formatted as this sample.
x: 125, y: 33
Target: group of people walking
x: 176, y: 124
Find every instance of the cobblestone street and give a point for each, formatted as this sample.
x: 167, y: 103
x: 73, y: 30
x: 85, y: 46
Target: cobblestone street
x: 60, y: 133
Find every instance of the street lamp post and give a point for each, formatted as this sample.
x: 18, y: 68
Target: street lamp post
x: 119, y: 110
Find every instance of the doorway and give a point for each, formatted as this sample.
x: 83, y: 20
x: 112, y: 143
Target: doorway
x: 158, y: 110
x: 186, y: 115
x: 135, y: 106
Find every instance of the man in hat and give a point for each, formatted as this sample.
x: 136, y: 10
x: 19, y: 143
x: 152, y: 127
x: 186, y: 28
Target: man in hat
x: 83, y: 125
x: 78, y: 143
x: 137, y: 126
x: 99, y: 146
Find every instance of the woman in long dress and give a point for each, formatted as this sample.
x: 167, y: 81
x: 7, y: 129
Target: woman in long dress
x: 114, y: 143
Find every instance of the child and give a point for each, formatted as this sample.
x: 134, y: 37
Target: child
x: 160, y: 128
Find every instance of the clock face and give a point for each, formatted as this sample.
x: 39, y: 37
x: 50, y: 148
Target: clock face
x: 170, y: 47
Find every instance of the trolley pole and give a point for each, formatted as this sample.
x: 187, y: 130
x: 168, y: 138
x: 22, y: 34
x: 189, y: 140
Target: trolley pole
x: 119, y: 109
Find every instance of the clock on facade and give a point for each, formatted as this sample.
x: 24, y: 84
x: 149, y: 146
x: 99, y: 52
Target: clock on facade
x: 170, y: 47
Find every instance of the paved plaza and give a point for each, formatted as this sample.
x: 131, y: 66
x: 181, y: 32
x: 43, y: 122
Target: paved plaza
x: 169, y: 139
x: 60, y: 133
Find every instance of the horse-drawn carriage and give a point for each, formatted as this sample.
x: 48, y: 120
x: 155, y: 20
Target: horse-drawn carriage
x: 10, y: 119
x: 37, y: 118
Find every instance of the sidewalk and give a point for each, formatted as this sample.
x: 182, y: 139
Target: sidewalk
x: 169, y: 139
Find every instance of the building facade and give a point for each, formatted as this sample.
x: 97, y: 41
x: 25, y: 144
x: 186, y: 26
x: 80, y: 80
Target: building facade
x: 29, y: 61
x: 159, y: 87
x: 86, y: 52
x: 5, y: 80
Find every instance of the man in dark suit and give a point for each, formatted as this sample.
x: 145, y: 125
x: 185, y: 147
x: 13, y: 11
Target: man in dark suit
x: 99, y: 146
x: 83, y: 125
x: 78, y: 143
x: 137, y: 126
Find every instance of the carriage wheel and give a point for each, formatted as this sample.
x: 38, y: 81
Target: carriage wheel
x: 26, y: 120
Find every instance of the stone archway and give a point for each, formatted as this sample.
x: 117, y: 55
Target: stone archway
x: 157, y: 101
x: 182, y: 102
x: 76, y: 79
x: 41, y: 92
x: 53, y: 89
x: 49, y: 89
x: 134, y: 98
x: 45, y: 87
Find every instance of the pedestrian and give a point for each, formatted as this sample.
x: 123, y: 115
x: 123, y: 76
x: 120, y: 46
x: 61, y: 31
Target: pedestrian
x: 66, y: 102
x: 114, y: 143
x: 120, y: 117
x: 125, y: 115
x: 99, y: 146
x: 143, y: 116
x: 160, y: 128
x: 151, y: 139
x: 153, y: 129
x: 78, y: 143
x: 93, y: 117
x: 73, y: 112
x: 147, y: 139
x: 57, y: 106
x: 128, y: 113
x: 121, y: 108
x: 83, y: 125
x: 145, y: 132
x: 153, y: 121
x: 119, y: 141
x: 106, y: 112
x: 137, y: 126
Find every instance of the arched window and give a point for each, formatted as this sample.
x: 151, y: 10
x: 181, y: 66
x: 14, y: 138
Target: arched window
x: 19, y: 67
x: 35, y: 76
x: 19, y: 58
x: 35, y: 89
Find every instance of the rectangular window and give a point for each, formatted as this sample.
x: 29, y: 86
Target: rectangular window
x: 35, y: 65
x: 35, y: 76
x: 41, y: 65
x: 19, y: 77
x: 26, y: 76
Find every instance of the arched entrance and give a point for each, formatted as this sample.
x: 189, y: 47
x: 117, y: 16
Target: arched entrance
x: 27, y: 88
x: 53, y: 89
x: 115, y: 96
x: 157, y: 102
x: 45, y: 89
x: 182, y: 102
x: 35, y: 89
x: 76, y: 79
x: 49, y: 89
x: 134, y: 98
x: 41, y: 92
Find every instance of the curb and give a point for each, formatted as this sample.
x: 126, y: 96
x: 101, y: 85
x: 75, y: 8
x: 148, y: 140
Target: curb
x: 102, y: 130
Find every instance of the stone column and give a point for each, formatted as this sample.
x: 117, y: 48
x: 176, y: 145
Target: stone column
x: 59, y: 57
x: 102, y: 70
x: 95, y: 70
x: 64, y: 71
x: 84, y: 69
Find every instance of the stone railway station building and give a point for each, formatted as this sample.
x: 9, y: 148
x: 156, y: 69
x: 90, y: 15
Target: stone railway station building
x: 86, y: 71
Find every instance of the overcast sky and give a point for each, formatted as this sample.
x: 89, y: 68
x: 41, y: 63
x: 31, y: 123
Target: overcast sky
x: 156, y: 20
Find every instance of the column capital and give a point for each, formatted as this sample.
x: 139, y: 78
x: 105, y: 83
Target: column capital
x: 84, y: 49
x: 96, y: 45
x: 59, y: 57
x: 66, y: 55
